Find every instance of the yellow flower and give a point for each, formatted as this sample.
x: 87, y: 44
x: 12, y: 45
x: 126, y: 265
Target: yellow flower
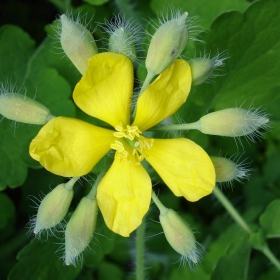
x: 71, y: 147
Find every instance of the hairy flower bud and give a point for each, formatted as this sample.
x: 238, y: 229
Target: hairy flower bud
x: 77, y: 42
x: 232, y: 122
x: 227, y: 170
x: 179, y: 235
x: 121, y: 41
x: 80, y: 229
x: 201, y: 70
x: 203, y: 67
x: 54, y: 207
x: 23, y: 109
x: 168, y: 42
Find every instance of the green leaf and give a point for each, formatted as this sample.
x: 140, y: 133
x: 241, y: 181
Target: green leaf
x: 257, y: 240
x: 16, y: 48
x: 21, y: 62
x: 205, y: 10
x: 252, y: 71
x: 197, y: 273
x: 62, y: 5
x: 219, y: 247
x: 7, y: 211
x: 96, y: 2
x: 14, y: 170
x: 234, y: 265
x: 271, y: 168
x: 270, y: 219
x: 38, y: 260
x: 108, y: 271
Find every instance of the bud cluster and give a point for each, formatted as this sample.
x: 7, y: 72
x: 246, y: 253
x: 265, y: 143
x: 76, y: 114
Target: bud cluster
x: 166, y: 45
x: 81, y: 226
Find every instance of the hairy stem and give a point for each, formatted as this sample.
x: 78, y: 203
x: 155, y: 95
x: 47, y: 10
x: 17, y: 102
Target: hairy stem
x: 231, y: 210
x: 242, y: 223
x: 140, y: 251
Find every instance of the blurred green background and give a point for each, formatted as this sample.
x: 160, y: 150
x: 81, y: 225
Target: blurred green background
x: 29, y: 55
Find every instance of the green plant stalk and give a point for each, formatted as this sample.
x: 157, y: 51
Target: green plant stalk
x: 140, y: 251
x: 242, y: 223
x: 266, y: 251
x: 146, y: 83
x: 185, y: 126
x: 231, y: 210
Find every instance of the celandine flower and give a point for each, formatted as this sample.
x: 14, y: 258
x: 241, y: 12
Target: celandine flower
x: 71, y: 147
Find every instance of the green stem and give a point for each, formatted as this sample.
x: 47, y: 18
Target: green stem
x: 185, y: 126
x: 163, y: 210
x: 93, y: 191
x: 70, y: 184
x: 140, y: 251
x: 237, y: 217
x: 266, y: 251
x: 147, y: 81
x: 231, y: 210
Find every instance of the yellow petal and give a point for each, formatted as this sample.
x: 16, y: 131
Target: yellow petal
x: 124, y: 196
x: 105, y: 90
x: 70, y: 147
x: 164, y: 96
x: 184, y: 166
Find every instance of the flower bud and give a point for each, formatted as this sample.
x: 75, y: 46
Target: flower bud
x: 23, y: 109
x: 77, y: 42
x: 80, y: 229
x: 203, y: 67
x: 121, y: 41
x: 179, y: 235
x: 168, y: 42
x: 53, y: 207
x: 233, y: 122
x: 227, y: 170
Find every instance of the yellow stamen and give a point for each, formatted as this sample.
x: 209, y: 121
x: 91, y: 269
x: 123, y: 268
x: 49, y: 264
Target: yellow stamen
x: 132, y: 137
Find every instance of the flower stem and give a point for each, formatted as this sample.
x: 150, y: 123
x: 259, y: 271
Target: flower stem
x: 93, y: 191
x: 231, y: 210
x: 70, y: 184
x: 241, y: 222
x: 163, y: 210
x: 140, y: 251
x: 266, y: 251
x: 147, y: 81
x: 185, y: 126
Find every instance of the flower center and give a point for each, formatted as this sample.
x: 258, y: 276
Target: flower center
x: 130, y: 143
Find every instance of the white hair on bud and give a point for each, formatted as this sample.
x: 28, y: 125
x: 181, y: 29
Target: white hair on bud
x: 10, y: 87
x: 218, y: 62
x: 132, y: 27
x: 194, y: 256
x: 31, y: 225
x: 172, y: 13
x: 243, y: 170
x: 81, y: 19
x: 258, y: 121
